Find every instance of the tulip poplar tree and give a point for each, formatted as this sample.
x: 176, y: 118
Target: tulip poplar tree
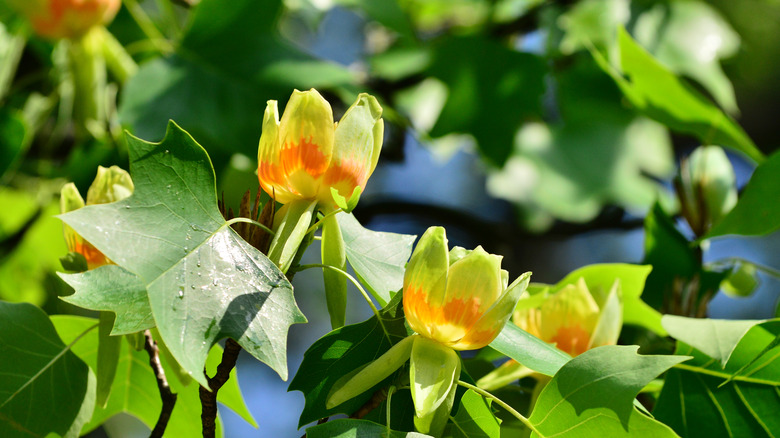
x: 170, y: 283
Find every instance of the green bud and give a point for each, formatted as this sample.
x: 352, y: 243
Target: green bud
x: 707, y: 188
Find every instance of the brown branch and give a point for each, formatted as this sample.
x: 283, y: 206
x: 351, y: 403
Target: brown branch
x: 379, y: 396
x: 168, y: 397
x: 208, y: 399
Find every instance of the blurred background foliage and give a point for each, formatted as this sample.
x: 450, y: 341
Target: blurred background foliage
x: 536, y: 128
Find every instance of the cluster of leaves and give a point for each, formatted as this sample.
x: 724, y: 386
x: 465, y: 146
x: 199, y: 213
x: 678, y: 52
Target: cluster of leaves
x: 541, y: 88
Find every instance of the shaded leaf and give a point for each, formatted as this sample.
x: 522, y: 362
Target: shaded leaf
x: 45, y: 388
x: 112, y: 288
x: 756, y: 212
x: 135, y: 391
x: 213, y: 84
x: 378, y: 258
x: 13, y: 131
x: 487, y: 98
x: 338, y: 353
x: 674, y: 261
x: 573, y: 404
x: 204, y: 282
x: 108, y: 357
x: 702, y: 399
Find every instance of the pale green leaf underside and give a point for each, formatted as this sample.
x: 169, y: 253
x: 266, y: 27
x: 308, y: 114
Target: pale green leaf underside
x: 377, y: 257
x: 716, y: 338
x: 115, y: 289
x: 204, y: 282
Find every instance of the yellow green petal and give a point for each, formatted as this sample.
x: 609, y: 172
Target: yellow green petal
x: 493, y: 320
x: 569, y: 317
x: 356, y: 150
x: 70, y: 198
x: 306, y: 135
x: 269, y: 167
x: 473, y: 286
x: 110, y: 185
x: 610, y: 320
x: 425, y: 281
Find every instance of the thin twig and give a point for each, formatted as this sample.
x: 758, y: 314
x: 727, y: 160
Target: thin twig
x: 208, y: 399
x: 168, y: 398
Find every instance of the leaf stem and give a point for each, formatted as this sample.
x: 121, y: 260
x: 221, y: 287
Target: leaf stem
x: 739, y: 260
x: 713, y: 373
x: 208, y: 398
x: 317, y: 224
x: 249, y: 221
x: 501, y: 403
x: 390, y: 392
x: 168, y: 398
x: 357, y: 285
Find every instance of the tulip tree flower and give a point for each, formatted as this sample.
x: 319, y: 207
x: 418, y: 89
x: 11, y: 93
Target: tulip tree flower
x: 308, y: 163
x: 110, y: 185
x: 574, y: 319
x: 453, y: 300
x: 305, y: 155
x: 66, y: 18
x: 707, y: 187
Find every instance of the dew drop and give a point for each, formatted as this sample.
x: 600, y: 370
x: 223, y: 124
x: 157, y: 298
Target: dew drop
x: 167, y: 151
x: 181, y: 293
x: 192, y: 286
x: 198, y: 264
x: 127, y: 207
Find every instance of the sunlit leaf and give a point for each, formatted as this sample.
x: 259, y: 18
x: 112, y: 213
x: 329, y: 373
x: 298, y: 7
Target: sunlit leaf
x: 574, y: 404
x: 659, y: 94
x: 474, y: 418
x: 529, y: 350
x: 691, y: 38
x: 27, y: 273
x: 204, y: 282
